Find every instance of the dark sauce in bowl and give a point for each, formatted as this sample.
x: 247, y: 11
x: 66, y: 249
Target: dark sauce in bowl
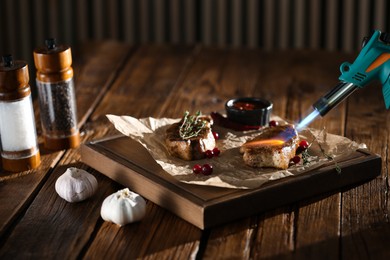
x: 249, y: 111
x: 248, y: 105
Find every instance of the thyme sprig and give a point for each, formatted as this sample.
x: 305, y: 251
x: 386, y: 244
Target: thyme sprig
x: 329, y: 157
x: 306, y: 155
x: 192, y: 125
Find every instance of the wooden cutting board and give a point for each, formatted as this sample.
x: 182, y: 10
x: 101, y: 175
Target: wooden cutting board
x: 130, y: 164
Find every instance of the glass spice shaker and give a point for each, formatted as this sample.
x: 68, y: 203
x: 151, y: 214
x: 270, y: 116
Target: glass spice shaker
x: 18, y: 135
x: 56, y: 96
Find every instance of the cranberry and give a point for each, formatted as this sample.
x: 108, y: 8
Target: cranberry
x: 207, y: 169
x: 296, y: 159
x: 216, y: 151
x: 304, y: 144
x: 197, y: 168
x: 209, y: 154
x: 273, y: 123
x: 216, y: 135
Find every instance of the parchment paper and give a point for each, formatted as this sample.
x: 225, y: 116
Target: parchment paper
x: 229, y: 170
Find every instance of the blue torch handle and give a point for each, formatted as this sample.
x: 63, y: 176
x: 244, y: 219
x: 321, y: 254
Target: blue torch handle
x: 373, y: 62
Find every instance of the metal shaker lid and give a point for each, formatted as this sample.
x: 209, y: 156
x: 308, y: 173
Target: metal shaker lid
x: 52, y: 58
x: 14, y: 78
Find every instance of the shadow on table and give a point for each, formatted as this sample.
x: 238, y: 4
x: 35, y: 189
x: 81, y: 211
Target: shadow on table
x: 274, y: 235
x: 370, y: 243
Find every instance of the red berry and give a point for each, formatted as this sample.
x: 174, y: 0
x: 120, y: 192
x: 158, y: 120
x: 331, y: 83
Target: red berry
x: 304, y: 144
x: 197, y: 168
x: 296, y: 159
x: 216, y: 151
x: 216, y: 135
x: 273, y: 123
x: 207, y: 169
x: 209, y: 154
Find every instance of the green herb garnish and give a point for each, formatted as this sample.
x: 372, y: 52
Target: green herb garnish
x: 192, y: 125
x: 329, y: 157
x: 306, y: 155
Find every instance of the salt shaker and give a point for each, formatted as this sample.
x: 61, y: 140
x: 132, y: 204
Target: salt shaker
x: 18, y: 135
x: 56, y: 96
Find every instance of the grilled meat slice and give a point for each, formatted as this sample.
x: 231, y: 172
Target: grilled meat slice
x: 192, y: 148
x: 274, y: 147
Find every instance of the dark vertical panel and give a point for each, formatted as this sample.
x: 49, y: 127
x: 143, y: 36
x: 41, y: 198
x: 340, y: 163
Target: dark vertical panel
x: 268, y: 24
x: 25, y: 43
x: 260, y: 29
x: 348, y: 24
x: 252, y: 23
x: 144, y: 20
x: 331, y: 25
x: 284, y: 22
x: 190, y: 21
x: 206, y: 21
x: 174, y: 21
x: 68, y: 17
x: 237, y: 25
x: 119, y: 20
x: 314, y: 24
x: 379, y: 15
x: 11, y: 28
x: 167, y: 21
x: 2, y: 28
x: 363, y: 22
x: 299, y: 24
x: 151, y: 22
x: 53, y: 19
x: 229, y: 25
x: 182, y: 20
x: 221, y: 26
x: 98, y: 19
x: 306, y: 24
x: 113, y: 13
x: 38, y: 22
x: 387, y: 17
x: 137, y: 23
x: 159, y: 18
x: 244, y: 15
x: 82, y: 20
x: 129, y: 24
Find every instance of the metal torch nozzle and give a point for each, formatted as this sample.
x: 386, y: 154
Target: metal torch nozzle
x: 334, y: 97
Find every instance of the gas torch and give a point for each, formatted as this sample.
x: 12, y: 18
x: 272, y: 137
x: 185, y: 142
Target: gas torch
x: 373, y: 62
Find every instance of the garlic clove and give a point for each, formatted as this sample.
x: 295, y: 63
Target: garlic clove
x: 123, y: 207
x: 76, y: 185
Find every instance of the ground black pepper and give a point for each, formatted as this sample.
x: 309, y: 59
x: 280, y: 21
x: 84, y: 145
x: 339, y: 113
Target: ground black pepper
x: 58, y: 108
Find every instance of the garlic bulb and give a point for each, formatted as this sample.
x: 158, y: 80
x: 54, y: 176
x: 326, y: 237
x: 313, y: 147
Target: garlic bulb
x: 123, y: 207
x: 76, y: 185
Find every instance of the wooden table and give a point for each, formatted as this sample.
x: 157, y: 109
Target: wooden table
x: 164, y: 81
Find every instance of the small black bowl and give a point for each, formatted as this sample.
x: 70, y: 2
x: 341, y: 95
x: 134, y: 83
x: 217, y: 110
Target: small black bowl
x: 249, y: 111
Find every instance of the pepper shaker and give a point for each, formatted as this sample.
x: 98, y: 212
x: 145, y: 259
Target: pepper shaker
x: 18, y: 135
x: 56, y: 96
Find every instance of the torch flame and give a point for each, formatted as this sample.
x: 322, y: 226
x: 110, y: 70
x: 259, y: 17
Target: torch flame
x: 267, y: 142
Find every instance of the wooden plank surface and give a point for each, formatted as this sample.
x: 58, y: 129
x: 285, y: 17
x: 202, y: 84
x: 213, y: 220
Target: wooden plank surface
x: 365, y: 209
x: 164, y: 81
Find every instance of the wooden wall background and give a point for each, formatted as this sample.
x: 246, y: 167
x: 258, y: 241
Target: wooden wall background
x: 268, y: 24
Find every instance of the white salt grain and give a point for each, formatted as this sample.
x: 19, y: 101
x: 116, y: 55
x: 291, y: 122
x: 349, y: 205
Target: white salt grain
x: 17, y: 125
